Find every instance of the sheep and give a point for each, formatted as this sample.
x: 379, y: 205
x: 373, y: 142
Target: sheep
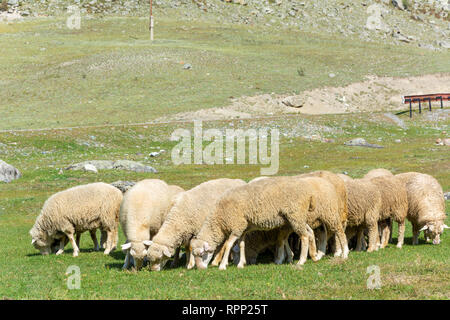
x: 185, y: 219
x: 340, y: 187
x: 364, y: 206
x: 143, y: 210
x: 78, y: 209
x: 380, y: 172
x: 426, y: 205
x: 394, y: 205
x: 56, y: 246
x: 267, y: 204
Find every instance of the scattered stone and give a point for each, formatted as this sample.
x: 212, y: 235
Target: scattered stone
x: 90, y: 168
x: 8, y: 173
x: 332, y: 75
x: 293, y: 101
x: 398, y: 4
x: 123, y: 186
x: 447, y: 196
x: 443, y: 142
x: 361, y: 142
x: 116, y: 165
x: 187, y: 66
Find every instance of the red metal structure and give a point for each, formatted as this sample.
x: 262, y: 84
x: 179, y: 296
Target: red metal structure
x: 425, y: 98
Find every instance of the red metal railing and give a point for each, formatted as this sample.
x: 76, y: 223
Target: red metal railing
x: 425, y: 98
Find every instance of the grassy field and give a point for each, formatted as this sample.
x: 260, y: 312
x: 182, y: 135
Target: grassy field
x: 107, y: 72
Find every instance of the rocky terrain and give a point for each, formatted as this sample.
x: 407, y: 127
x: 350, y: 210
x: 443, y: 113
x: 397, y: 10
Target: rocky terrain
x: 423, y: 23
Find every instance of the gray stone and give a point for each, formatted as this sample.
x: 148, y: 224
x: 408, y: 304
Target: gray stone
x: 293, y: 101
x: 8, y: 173
x: 113, y: 165
x: 187, y: 66
x: 123, y: 186
x: 447, y: 196
x: 361, y: 142
x: 90, y: 168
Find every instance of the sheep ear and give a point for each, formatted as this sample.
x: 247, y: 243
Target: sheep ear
x: 147, y: 242
x: 166, y: 252
x: 126, y: 246
x: 446, y: 226
x: 424, y: 228
x: 33, y: 241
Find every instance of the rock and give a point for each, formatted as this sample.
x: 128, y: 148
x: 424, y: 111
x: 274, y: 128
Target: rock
x: 154, y: 154
x: 398, y: 4
x: 293, y: 101
x: 123, y: 185
x: 90, y: 168
x: 397, y: 35
x: 8, y: 173
x: 116, y: 165
x: 361, y: 142
x: 444, y: 44
x: 332, y: 75
x: 187, y: 66
x: 13, y: 2
x: 447, y: 196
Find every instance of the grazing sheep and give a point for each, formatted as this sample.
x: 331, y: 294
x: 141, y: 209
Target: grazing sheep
x: 265, y: 205
x: 75, y: 210
x: 364, y: 206
x: 142, y: 213
x: 341, y: 190
x: 426, y: 205
x: 377, y: 173
x: 185, y: 219
x: 394, y: 204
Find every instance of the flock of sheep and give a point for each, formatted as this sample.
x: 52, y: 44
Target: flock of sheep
x: 314, y: 213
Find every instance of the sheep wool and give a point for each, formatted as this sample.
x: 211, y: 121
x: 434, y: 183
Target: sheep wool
x: 183, y: 222
x: 75, y: 210
x: 143, y: 210
x: 265, y: 205
x: 426, y: 205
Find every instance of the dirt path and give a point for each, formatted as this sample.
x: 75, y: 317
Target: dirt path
x: 374, y: 94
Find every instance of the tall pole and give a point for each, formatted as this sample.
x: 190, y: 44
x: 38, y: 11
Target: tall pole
x: 151, y: 20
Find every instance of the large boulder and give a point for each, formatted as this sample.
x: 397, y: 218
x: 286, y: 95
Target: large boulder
x: 110, y: 164
x: 123, y: 186
x: 8, y: 173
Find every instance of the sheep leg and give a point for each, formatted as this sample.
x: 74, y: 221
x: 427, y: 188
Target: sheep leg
x: 228, y: 245
x: 78, y: 239
x: 401, y: 234
x: 176, y: 258
x: 62, y: 244
x: 312, y: 244
x: 242, y: 261
x: 189, y: 258
x: 103, y: 238
x: 373, y: 236
x: 416, y: 232
x: 218, y: 257
x: 359, y: 239
x: 94, y: 239
x: 280, y: 253
x: 74, y: 244
x: 322, y: 237
x: 126, y: 263
x: 341, y: 241
x: 109, y: 241
x: 304, y: 250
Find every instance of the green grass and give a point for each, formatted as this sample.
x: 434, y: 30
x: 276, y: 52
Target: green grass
x: 108, y: 72
x: 415, y: 272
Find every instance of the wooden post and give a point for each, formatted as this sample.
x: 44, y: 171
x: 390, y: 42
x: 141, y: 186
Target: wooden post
x: 151, y: 20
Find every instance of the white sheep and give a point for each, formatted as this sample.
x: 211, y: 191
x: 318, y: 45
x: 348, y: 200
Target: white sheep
x: 75, y: 210
x: 142, y: 213
x: 185, y: 219
x: 265, y: 205
x: 426, y: 205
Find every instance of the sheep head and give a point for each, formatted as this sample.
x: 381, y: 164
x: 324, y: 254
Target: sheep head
x: 434, y: 229
x: 202, y: 252
x: 41, y: 241
x: 158, y: 255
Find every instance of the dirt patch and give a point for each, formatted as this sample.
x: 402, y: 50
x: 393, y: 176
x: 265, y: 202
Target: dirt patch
x: 373, y: 94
